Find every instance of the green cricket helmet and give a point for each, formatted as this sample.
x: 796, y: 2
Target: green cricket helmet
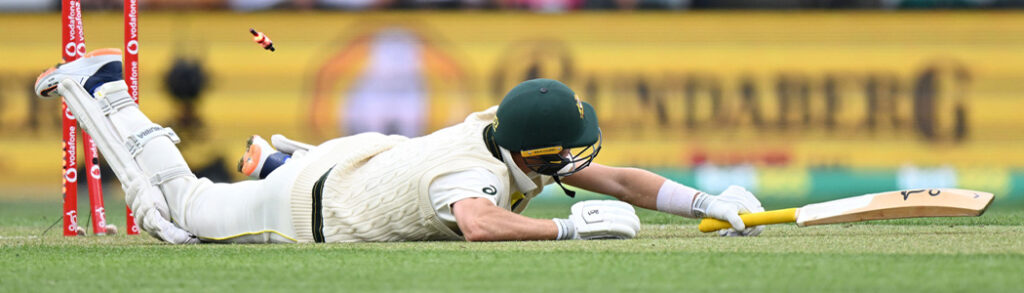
x: 545, y: 122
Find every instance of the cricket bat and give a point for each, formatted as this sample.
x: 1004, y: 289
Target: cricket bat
x: 916, y: 203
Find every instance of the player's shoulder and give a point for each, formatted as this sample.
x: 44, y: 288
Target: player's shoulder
x: 472, y: 180
x: 470, y: 175
x: 483, y: 116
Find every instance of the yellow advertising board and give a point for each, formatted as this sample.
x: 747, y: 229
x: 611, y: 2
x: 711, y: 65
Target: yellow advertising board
x: 786, y: 90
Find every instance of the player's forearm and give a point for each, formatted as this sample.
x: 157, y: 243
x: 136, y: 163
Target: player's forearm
x: 639, y: 187
x: 645, y: 189
x: 481, y: 221
x: 505, y: 227
x: 635, y: 186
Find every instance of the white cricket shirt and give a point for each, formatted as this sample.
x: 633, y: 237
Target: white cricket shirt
x: 480, y: 183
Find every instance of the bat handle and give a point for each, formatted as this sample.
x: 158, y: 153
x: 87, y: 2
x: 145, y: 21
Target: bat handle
x: 751, y: 219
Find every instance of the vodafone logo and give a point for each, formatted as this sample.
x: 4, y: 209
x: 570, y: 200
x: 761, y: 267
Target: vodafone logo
x: 133, y: 226
x: 101, y: 215
x: 71, y: 175
x: 94, y: 172
x: 132, y: 47
x: 73, y: 226
x: 81, y: 49
x: 67, y: 113
x: 69, y: 49
x: 71, y: 146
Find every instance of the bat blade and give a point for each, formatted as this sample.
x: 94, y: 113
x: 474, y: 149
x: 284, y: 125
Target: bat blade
x: 936, y: 202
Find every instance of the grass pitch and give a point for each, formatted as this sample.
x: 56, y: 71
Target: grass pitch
x: 984, y: 254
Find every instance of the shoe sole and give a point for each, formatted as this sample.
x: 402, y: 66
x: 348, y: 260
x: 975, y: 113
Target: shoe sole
x: 249, y: 162
x: 46, y: 83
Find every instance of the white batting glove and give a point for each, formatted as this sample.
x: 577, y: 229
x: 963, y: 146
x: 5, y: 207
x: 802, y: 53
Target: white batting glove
x: 599, y: 219
x: 151, y: 214
x: 164, y: 230
x: 728, y: 206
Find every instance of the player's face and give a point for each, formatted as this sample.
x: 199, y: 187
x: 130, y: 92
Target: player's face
x: 563, y: 163
x: 521, y: 163
x: 524, y: 163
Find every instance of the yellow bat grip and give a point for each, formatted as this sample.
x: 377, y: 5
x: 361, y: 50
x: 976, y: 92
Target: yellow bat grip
x: 752, y: 219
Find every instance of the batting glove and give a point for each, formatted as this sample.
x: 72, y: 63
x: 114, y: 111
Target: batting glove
x: 151, y: 214
x: 728, y: 206
x: 164, y: 230
x: 599, y: 219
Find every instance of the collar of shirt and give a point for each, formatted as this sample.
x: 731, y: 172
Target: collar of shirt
x: 525, y: 183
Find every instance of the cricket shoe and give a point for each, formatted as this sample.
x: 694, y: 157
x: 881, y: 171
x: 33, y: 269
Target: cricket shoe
x: 92, y: 70
x: 260, y: 158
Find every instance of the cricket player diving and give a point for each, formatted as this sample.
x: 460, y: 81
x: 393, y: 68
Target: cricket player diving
x: 469, y: 181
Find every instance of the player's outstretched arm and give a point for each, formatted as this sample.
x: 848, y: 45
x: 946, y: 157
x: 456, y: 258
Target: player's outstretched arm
x: 635, y: 186
x: 651, y: 191
x: 480, y: 220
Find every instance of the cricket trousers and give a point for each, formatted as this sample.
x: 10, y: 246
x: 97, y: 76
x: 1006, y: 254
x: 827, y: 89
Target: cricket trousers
x: 256, y: 211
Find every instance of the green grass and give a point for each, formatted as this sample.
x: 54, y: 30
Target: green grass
x: 984, y: 254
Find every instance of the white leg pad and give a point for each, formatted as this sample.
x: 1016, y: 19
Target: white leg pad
x: 137, y: 141
x: 162, y: 177
x: 145, y: 199
x: 95, y: 123
x: 150, y: 145
x: 160, y: 187
x: 114, y: 103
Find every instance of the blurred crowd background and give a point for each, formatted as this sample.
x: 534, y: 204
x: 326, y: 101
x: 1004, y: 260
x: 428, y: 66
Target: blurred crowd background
x: 798, y: 100
x: 530, y: 5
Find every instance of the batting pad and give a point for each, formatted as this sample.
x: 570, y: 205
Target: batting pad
x: 92, y: 119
